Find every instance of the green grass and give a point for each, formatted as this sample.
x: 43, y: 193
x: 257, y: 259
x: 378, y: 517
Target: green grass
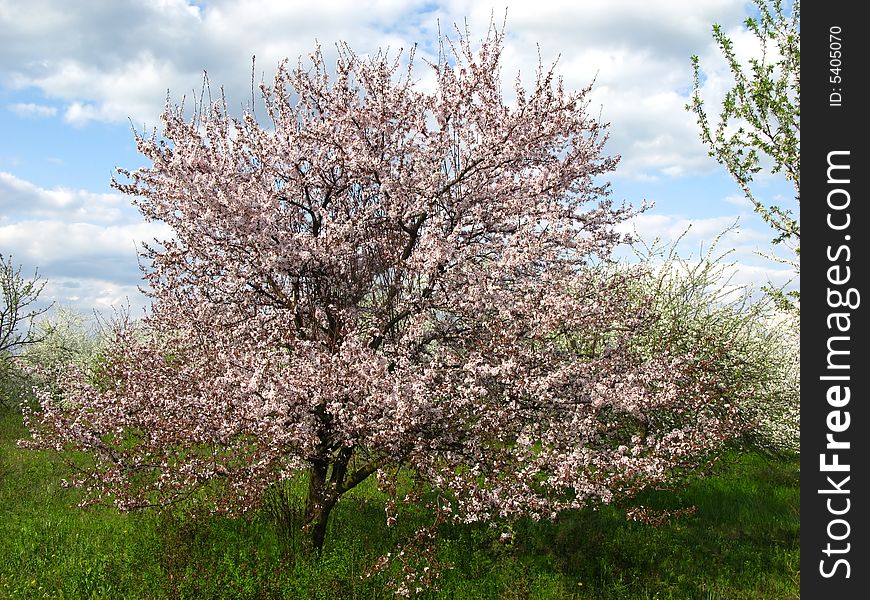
x: 743, y: 542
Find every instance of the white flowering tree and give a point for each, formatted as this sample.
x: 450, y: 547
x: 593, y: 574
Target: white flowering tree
x: 759, y: 126
x: 385, y: 279
x: 19, y: 308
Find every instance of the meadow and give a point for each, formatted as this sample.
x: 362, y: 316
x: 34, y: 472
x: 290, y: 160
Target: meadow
x: 742, y: 542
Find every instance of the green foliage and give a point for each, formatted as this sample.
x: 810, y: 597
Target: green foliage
x: 12, y: 382
x: 760, y: 118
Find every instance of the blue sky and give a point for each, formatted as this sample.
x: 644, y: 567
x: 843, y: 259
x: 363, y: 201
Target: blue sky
x: 74, y: 79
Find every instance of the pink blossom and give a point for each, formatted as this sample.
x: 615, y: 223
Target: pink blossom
x: 385, y: 278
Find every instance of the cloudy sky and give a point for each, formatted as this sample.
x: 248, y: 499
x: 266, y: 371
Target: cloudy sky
x: 75, y: 78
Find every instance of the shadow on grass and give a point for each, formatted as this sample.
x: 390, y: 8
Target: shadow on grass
x: 743, y: 542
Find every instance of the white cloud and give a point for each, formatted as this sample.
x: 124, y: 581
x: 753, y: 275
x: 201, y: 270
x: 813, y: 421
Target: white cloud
x: 84, y: 244
x: 85, y: 267
x: 698, y: 236
x: 85, y: 249
x: 29, y: 109
x: 739, y: 251
x: 91, y: 70
x: 637, y: 51
x: 88, y: 294
x: 749, y: 275
x: 22, y: 200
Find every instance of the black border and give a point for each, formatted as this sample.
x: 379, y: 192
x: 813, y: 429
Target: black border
x: 828, y: 128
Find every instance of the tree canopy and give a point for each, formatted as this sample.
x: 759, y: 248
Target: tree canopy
x: 759, y: 126
x: 386, y: 279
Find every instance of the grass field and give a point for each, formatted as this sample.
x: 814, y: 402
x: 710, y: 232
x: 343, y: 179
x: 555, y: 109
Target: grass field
x: 743, y: 542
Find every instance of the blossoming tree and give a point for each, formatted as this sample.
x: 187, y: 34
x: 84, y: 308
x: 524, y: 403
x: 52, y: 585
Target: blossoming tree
x: 385, y: 278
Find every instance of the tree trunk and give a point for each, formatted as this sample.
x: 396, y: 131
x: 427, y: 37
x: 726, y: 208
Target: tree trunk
x: 324, y: 490
x: 318, y: 505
